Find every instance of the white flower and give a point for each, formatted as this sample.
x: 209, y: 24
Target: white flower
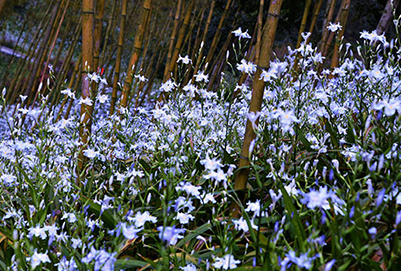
x: 246, y: 67
x: 373, y: 37
x: 211, y: 164
x: 68, y: 92
x: 102, y: 98
x: 140, y: 219
x: 240, y: 34
x: 241, y: 224
x: 253, y: 207
x: 227, y: 262
x: 201, y: 77
x: 90, y: 153
x: 8, y: 179
x: 188, y: 267
x: 86, y: 101
x: 93, y: 77
x: 38, y: 258
x: 37, y: 232
x: 130, y: 232
x: 334, y: 27
x: 185, y: 59
x: 184, y: 218
x: 141, y: 78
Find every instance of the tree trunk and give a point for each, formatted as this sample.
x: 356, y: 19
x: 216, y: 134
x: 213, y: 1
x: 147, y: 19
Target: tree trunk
x: 258, y: 86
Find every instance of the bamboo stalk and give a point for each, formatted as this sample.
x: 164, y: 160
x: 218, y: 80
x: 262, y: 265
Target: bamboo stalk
x: 64, y: 37
x: 387, y: 16
x: 303, y: 23
x: 50, y: 53
x: 259, y: 27
x: 200, y: 56
x: 87, y: 66
x: 196, y: 45
x: 218, y: 31
x: 30, y: 83
x: 15, y: 88
x: 178, y: 46
x: 172, y: 39
x: 343, y: 16
x: 117, y: 66
x: 2, y: 4
x: 328, y: 18
x: 70, y: 85
x: 66, y: 66
x: 316, y: 11
x: 107, y: 35
x: 97, y: 35
x: 135, y: 53
x: 267, y: 42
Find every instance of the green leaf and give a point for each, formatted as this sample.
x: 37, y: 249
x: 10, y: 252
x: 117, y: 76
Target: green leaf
x: 106, y: 216
x: 128, y: 263
x: 295, y: 221
x: 196, y: 232
x: 350, y: 133
x: 333, y: 134
x: 304, y: 141
x: 256, y: 268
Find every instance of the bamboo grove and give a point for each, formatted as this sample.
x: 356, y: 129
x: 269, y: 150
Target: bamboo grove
x: 75, y: 39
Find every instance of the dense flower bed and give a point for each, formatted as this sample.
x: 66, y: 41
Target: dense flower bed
x: 323, y: 194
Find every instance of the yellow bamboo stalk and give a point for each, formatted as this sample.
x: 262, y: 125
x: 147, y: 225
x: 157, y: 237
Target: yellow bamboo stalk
x: 218, y: 31
x: 259, y: 27
x: 303, y: 23
x: 316, y: 11
x: 258, y: 86
x: 117, y: 66
x: 50, y: 53
x: 34, y: 73
x: 108, y: 31
x: 172, y: 39
x: 15, y: 87
x: 87, y: 66
x: 70, y: 85
x: 343, y: 16
x: 98, y: 32
x: 135, y: 53
x: 200, y: 56
x: 180, y: 39
x: 328, y: 19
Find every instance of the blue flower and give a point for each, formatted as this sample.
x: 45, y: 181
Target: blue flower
x: 170, y: 234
